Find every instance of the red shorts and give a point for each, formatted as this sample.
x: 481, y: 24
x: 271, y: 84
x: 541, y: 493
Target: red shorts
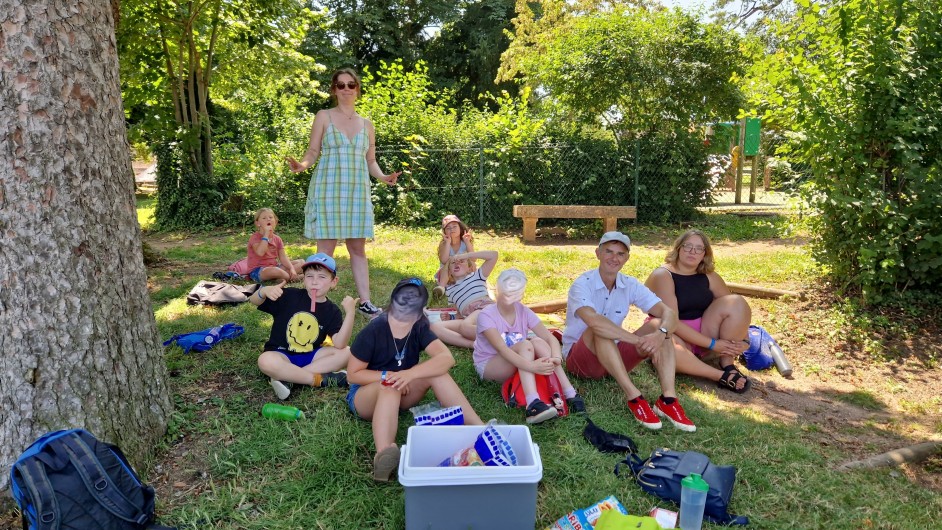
x: 583, y: 363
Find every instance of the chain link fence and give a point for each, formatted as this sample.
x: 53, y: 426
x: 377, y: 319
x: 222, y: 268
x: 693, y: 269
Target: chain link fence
x: 665, y: 181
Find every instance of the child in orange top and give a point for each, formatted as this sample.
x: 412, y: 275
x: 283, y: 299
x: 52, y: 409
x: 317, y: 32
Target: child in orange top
x: 266, y: 250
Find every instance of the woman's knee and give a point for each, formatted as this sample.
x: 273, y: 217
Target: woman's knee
x: 356, y: 247
x: 733, y: 304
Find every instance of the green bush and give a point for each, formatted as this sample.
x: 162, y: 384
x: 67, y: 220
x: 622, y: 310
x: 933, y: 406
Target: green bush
x: 186, y: 198
x: 860, y: 83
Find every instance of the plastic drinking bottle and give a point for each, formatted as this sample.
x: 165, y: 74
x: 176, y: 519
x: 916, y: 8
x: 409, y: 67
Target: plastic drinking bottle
x: 784, y: 367
x: 693, y: 494
x: 213, y: 335
x: 281, y: 412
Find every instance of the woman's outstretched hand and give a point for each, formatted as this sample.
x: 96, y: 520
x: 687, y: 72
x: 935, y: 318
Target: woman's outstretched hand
x: 391, y: 178
x: 295, y: 166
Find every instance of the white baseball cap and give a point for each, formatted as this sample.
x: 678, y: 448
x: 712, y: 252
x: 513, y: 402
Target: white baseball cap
x: 615, y: 236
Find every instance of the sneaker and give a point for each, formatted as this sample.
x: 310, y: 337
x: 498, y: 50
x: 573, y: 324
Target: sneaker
x: 644, y: 414
x: 384, y: 463
x: 369, y: 310
x: 282, y: 389
x: 334, y: 379
x: 576, y: 404
x: 538, y: 412
x: 675, y: 413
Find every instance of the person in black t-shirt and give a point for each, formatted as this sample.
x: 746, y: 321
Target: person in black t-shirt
x: 386, y: 374
x: 303, y: 319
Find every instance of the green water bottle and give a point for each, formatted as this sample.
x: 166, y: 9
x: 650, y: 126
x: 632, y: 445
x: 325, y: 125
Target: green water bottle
x: 281, y: 412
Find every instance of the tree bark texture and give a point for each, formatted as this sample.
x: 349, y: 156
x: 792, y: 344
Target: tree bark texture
x: 78, y: 342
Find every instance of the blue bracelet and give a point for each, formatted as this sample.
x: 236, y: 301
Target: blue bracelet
x: 382, y: 376
x: 712, y: 343
x: 265, y: 239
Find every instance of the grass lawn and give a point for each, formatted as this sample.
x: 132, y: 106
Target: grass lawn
x: 225, y: 466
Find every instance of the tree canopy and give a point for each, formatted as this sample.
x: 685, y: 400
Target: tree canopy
x: 857, y: 85
x: 637, y: 68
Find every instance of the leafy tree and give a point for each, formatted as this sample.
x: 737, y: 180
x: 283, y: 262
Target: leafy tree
x: 172, y: 54
x: 636, y: 69
x: 371, y: 31
x: 858, y: 83
x: 465, y: 55
x: 77, y: 331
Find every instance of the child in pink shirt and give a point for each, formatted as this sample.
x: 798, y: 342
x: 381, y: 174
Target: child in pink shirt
x: 267, y: 259
x: 504, y: 345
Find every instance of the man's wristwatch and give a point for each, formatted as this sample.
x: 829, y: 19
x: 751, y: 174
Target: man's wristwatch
x: 666, y: 333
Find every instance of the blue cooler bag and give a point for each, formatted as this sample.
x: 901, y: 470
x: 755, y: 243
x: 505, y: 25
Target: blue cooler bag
x: 758, y: 356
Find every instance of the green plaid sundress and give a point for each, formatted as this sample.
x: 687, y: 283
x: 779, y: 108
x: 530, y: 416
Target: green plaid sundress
x: 338, y: 198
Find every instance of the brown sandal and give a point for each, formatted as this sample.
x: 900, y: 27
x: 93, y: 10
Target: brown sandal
x: 730, y: 380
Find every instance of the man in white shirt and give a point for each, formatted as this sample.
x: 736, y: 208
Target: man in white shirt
x: 596, y: 345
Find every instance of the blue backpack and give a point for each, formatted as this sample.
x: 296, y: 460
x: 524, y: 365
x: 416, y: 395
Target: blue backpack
x: 758, y: 356
x: 205, y: 339
x: 70, y: 480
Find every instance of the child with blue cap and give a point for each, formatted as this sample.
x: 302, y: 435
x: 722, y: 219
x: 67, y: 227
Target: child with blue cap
x: 303, y: 319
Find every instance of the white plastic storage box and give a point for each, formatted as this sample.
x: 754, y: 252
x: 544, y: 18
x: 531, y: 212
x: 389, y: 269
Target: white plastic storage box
x: 475, y: 497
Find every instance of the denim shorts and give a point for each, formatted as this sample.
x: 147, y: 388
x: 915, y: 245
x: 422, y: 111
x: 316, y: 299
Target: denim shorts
x: 256, y: 274
x: 351, y: 394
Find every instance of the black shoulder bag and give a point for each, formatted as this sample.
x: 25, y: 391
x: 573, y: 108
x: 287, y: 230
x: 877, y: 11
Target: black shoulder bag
x: 660, y: 475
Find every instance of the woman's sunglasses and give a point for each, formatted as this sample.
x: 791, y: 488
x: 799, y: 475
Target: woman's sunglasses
x: 352, y: 85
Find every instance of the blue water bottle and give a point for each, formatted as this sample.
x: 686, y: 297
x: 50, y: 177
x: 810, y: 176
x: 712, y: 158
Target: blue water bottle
x: 693, y: 494
x: 212, y: 336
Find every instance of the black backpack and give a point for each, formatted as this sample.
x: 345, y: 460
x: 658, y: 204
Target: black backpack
x: 70, y: 480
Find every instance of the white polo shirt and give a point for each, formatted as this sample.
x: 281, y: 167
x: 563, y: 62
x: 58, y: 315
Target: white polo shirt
x: 589, y: 290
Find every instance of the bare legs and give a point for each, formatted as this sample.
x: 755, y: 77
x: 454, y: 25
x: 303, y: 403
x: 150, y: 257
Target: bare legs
x: 381, y: 405
x: 727, y: 318
x: 277, y: 366
x: 499, y: 369
x: 359, y: 266
x: 461, y: 332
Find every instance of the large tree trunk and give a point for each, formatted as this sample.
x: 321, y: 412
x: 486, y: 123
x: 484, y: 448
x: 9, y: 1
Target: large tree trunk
x: 78, y: 342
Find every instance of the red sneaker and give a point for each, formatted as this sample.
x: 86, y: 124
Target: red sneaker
x: 675, y: 413
x: 644, y: 414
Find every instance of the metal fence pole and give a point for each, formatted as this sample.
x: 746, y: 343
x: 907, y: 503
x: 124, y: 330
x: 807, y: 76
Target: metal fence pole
x: 481, y: 186
x: 637, y: 169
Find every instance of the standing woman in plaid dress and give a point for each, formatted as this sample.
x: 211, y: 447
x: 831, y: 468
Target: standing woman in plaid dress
x: 338, y: 198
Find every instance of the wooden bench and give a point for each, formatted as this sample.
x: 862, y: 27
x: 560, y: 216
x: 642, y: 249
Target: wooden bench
x: 533, y: 212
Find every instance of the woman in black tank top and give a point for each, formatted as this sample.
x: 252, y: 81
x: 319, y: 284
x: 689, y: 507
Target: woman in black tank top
x: 714, y: 323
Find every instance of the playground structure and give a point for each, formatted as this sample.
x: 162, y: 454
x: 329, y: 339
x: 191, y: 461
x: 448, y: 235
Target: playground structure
x: 743, y: 141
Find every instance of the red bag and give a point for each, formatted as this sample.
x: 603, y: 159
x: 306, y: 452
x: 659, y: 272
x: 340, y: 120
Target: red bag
x: 547, y: 386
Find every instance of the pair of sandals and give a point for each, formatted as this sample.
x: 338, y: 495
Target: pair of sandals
x: 730, y: 379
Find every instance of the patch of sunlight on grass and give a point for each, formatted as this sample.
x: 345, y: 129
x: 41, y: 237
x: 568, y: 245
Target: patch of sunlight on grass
x: 145, y: 212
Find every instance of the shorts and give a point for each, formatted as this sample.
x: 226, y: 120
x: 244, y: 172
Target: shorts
x: 480, y: 303
x: 299, y: 359
x: 694, y: 324
x: 480, y: 366
x: 583, y: 363
x: 256, y: 274
x: 351, y: 394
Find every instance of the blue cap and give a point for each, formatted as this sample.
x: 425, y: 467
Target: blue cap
x: 320, y: 259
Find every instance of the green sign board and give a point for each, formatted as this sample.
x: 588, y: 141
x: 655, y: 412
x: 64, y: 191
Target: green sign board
x: 751, y: 147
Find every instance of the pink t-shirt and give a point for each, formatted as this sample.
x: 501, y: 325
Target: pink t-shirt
x: 490, y: 317
x: 270, y: 259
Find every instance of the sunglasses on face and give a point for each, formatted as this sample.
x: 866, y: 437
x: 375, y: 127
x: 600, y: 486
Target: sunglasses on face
x: 692, y: 249
x: 352, y: 85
